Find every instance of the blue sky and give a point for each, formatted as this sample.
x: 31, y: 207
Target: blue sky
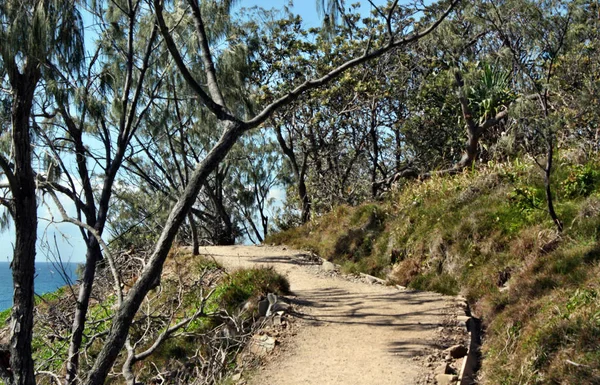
x: 67, y: 236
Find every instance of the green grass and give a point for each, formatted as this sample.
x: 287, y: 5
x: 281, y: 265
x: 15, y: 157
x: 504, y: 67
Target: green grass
x: 473, y: 232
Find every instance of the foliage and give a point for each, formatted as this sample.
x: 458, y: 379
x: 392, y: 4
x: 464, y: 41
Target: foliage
x: 581, y: 181
x: 245, y: 284
x: 490, y: 92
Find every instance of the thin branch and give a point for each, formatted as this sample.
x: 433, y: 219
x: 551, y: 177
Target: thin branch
x: 213, y: 106
x: 98, y: 237
x: 10, y: 175
x: 209, y: 67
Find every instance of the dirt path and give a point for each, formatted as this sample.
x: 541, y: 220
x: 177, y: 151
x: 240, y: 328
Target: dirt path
x: 355, y: 333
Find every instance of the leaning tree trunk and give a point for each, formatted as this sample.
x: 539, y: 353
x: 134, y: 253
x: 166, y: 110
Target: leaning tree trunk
x: 25, y: 220
x: 150, y: 276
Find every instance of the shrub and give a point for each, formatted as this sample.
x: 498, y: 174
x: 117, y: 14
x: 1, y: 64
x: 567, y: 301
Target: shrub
x: 244, y: 284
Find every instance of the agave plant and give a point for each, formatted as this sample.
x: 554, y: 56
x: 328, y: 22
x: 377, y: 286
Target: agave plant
x: 490, y: 92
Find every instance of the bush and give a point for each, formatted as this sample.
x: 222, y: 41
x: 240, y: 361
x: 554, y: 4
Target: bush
x: 244, y: 284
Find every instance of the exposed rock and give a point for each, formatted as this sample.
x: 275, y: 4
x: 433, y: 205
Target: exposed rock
x: 261, y: 345
x: 444, y: 368
x: 327, y: 266
x: 457, y: 351
x: 446, y: 379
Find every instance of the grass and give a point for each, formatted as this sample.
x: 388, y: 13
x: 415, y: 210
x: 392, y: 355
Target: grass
x: 185, y: 278
x: 245, y: 284
x: 474, y: 233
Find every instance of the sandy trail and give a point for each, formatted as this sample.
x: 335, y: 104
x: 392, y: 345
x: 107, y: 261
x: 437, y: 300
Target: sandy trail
x: 354, y: 333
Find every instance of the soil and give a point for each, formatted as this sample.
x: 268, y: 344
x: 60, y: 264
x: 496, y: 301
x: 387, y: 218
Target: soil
x: 352, y: 330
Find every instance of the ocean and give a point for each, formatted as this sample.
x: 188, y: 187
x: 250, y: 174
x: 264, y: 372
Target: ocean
x: 48, y: 278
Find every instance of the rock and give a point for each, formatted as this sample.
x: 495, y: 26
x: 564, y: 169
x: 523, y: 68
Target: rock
x: 268, y: 343
x: 463, y: 322
x: 263, y: 306
x: 443, y: 369
x: 261, y: 345
x: 457, y: 351
x: 446, y: 379
x: 276, y: 320
x: 236, y: 377
x: 280, y: 307
x: 327, y: 266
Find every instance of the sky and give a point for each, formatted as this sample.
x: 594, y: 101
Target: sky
x: 66, y: 236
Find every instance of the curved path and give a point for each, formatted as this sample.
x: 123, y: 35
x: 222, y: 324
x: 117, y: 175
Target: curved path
x: 355, y: 333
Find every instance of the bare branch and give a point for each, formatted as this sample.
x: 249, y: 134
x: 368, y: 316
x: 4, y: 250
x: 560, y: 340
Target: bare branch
x: 213, y: 106
x: 98, y: 237
x: 209, y: 67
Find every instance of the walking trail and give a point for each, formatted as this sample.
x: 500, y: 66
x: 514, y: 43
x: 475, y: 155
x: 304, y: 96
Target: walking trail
x: 355, y: 333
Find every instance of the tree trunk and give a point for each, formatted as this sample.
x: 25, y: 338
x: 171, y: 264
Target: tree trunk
x: 374, y: 185
x: 223, y: 235
x: 93, y: 255
x: 195, y: 240
x: 305, y: 200
x: 25, y: 220
x: 470, y: 154
x: 151, y: 274
x: 547, y: 174
x: 298, y: 173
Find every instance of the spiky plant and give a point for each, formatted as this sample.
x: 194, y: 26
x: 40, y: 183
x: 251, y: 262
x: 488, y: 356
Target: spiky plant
x: 490, y: 92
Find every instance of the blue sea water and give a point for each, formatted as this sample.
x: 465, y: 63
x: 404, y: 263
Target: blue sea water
x: 49, y: 276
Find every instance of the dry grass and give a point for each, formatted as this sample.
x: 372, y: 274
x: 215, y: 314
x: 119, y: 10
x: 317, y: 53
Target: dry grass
x: 486, y: 234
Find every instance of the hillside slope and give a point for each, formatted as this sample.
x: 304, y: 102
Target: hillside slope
x: 486, y: 234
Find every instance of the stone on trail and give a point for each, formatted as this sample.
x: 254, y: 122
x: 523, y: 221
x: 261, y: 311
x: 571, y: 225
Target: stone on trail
x: 457, y: 351
x: 327, y: 266
x: 444, y: 368
x: 446, y: 379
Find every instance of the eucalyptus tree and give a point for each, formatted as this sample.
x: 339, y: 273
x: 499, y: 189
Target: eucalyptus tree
x: 232, y: 127
x: 33, y: 36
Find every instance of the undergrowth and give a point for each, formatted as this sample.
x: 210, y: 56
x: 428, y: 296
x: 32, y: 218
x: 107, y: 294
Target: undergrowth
x: 186, y: 279
x: 486, y: 234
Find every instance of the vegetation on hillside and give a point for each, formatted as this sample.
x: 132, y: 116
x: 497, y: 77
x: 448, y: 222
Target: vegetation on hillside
x: 485, y: 233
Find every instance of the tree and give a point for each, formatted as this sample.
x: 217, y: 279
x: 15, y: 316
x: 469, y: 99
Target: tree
x: 33, y: 35
x: 83, y: 117
x: 535, y: 57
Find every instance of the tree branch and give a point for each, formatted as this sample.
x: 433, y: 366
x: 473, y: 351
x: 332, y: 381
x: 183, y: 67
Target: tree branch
x: 314, y: 83
x: 209, y: 67
x: 94, y: 232
x: 214, y: 107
